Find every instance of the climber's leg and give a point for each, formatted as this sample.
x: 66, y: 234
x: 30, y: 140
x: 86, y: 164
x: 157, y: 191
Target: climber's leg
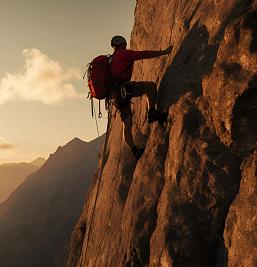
x: 150, y: 89
x: 144, y: 88
x: 127, y: 131
x: 126, y: 117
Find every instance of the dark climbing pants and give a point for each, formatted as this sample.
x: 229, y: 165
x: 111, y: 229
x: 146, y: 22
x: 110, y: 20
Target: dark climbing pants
x: 134, y: 89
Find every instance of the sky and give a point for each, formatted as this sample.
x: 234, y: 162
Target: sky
x: 45, y: 47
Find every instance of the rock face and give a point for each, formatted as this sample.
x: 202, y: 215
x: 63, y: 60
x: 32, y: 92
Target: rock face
x: 240, y: 230
x: 190, y: 200
x: 36, y: 221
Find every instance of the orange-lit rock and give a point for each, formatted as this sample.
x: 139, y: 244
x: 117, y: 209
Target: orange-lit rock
x: 170, y: 207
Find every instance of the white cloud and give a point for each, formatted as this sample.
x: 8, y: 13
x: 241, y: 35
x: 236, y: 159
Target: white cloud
x: 41, y: 80
x: 5, y: 145
x: 6, y: 149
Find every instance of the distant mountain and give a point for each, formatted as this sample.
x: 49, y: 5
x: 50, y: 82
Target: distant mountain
x: 36, y: 221
x: 38, y: 162
x: 13, y: 174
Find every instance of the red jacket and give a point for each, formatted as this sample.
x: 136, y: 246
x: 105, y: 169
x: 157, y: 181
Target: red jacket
x: 123, y: 61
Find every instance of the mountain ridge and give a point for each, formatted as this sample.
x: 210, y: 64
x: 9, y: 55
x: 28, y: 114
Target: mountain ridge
x: 38, y: 217
x: 13, y: 174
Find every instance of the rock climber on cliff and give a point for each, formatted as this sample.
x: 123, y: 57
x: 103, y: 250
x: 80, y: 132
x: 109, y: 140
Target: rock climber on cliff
x: 124, y: 89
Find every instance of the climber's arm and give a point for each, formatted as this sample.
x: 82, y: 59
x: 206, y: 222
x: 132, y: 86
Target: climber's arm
x: 137, y: 55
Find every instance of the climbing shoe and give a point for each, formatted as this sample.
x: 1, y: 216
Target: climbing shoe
x: 138, y: 152
x: 154, y: 115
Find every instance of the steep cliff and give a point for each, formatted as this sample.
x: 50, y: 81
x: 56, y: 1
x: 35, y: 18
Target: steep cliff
x: 189, y: 201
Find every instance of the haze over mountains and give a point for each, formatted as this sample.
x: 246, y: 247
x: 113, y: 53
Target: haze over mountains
x: 36, y: 221
x: 13, y: 174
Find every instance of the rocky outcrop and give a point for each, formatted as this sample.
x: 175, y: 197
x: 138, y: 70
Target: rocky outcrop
x: 240, y: 238
x: 189, y: 201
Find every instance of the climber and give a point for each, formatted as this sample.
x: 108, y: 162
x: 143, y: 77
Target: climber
x: 124, y: 89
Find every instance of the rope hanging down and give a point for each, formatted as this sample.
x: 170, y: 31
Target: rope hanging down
x: 98, y: 189
x: 96, y: 122
x: 110, y: 214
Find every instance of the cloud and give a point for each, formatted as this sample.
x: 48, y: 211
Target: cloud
x: 7, y: 151
x: 5, y: 145
x: 42, y: 79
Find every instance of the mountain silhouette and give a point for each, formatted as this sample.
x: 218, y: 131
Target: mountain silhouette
x: 36, y: 221
x: 13, y: 174
x: 38, y: 162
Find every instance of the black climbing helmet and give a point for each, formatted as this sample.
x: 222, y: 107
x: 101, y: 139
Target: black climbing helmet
x: 118, y: 41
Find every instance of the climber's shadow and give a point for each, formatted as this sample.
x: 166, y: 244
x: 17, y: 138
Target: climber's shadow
x: 194, y: 59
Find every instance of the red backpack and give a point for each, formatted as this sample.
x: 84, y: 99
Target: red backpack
x: 99, y: 77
